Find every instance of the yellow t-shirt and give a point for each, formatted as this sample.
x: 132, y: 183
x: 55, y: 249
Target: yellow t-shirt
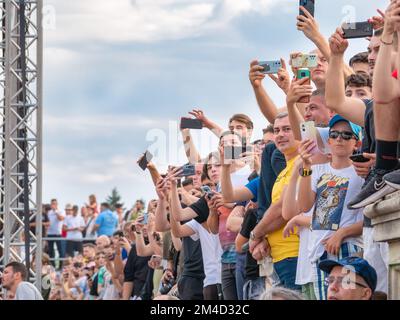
x: 283, y: 248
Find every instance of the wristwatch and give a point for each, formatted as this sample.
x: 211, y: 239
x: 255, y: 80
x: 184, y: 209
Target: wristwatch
x: 305, y: 172
x: 252, y: 236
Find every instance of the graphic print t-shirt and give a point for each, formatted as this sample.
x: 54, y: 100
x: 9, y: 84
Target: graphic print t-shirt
x: 333, y: 188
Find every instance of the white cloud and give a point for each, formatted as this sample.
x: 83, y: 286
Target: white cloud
x: 148, y: 20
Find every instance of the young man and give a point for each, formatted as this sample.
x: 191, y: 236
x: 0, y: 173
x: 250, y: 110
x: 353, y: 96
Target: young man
x: 360, y: 64
x: 284, y: 251
x: 106, y: 222
x: 359, y: 86
x: 13, y: 280
x: 350, y: 278
x: 336, y: 230
x: 74, y: 225
x: 56, y: 218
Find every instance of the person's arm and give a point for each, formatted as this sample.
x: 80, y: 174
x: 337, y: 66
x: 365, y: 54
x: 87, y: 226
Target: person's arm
x: 180, y: 231
x: 239, y: 242
x: 213, y: 218
x: 60, y: 216
x: 118, y: 263
x: 306, y: 196
x: 299, y: 221
x: 309, y: 26
x: 127, y: 289
x: 290, y: 206
x: 161, y: 220
x: 176, y: 209
x: 229, y: 193
x: 187, y: 198
x: 176, y: 242
x: 298, y: 89
x: 235, y: 219
x: 207, y: 123
x: 155, y: 175
x: 191, y: 152
x: 385, y: 88
x: 350, y: 108
x: 142, y: 250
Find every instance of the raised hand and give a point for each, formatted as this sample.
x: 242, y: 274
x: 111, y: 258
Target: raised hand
x: 283, y: 78
x: 337, y: 43
x: 308, y: 25
x: 255, y: 74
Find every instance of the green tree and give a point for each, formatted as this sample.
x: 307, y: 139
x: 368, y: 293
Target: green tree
x: 114, y: 198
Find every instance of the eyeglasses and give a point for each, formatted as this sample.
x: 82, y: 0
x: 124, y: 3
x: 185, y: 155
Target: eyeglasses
x: 344, y: 282
x: 345, y: 135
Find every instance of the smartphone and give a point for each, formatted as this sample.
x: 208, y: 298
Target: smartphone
x: 309, y: 132
x: 357, y: 30
x: 358, y: 157
x: 305, y: 61
x: 144, y: 160
x: 188, y: 170
x: 309, y: 5
x: 234, y: 153
x: 304, y: 73
x: 145, y: 218
x: 208, y: 192
x: 270, y: 67
x: 188, y: 123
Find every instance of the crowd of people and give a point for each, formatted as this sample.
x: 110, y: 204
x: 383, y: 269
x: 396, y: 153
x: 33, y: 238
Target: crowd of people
x: 284, y: 220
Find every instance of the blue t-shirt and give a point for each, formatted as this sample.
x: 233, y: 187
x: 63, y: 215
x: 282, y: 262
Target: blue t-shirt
x: 107, y: 222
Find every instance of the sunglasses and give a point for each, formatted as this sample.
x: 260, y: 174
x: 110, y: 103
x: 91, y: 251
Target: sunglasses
x: 345, y: 135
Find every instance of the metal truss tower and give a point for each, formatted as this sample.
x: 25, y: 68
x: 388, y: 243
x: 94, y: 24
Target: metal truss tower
x: 21, y: 57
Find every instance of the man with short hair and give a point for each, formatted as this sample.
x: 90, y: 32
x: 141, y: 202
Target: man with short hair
x: 106, y: 222
x: 360, y: 64
x: 13, y: 280
x: 56, y: 218
x: 89, y: 252
x: 268, y: 134
x: 359, y: 86
x: 74, y: 225
x: 351, y: 278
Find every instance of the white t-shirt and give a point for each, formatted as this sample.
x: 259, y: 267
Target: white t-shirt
x: 55, y: 227
x: 27, y: 291
x: 90, y: 234
x: 74, y: 222
x: 304, y: 271
x: 334, y: 189
x: 211, y: 251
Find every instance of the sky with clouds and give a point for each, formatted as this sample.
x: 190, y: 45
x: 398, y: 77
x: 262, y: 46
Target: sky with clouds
x: 119, y: 74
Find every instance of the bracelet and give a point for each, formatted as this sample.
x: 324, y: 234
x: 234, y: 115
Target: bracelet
x: 387, y: 43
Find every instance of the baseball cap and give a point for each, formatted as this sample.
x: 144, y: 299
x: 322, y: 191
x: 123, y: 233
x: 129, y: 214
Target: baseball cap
x: 355, y: 264
x: 356, y: 129
x: 68, y: 206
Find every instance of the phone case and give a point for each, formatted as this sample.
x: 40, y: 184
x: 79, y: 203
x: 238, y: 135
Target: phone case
x: 270, y: 67
x: 357, y: 30
x: 308, y: 131
x: 303, y: 73
x: 305, y: 61
x: 188, y: 123
x: 309, y: 5
x: 145, y: 159
x: 188, y: 170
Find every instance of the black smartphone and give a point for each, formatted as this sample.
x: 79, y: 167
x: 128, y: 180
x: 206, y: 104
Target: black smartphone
x: 234, y: 152
x: 358, y: 158
x: 357, y: 30
x: 144, y: 160
x: 187, y: 170
x: 188, y: 123
x: 309, y: 5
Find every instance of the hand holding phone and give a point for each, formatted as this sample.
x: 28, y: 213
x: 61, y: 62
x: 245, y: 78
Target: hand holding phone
x: 309, y: 5
x: 359, y: 157
x: 358, y: 30
x: 309, y: 132
x: 144, y: 160
x: 187, y: 170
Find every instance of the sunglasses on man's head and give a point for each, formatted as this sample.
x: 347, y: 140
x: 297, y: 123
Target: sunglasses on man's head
x: 345, y: 135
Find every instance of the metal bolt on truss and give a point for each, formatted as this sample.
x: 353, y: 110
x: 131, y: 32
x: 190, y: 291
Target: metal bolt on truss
x: 21, y: 57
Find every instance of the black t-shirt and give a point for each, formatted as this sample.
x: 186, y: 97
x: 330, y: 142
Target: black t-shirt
x: 249, y: 222
x: 202, y: 210
x: 136, y: 270
x: 193, y: 259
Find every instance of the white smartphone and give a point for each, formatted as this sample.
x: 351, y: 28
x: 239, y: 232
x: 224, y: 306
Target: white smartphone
x: 309, y: 132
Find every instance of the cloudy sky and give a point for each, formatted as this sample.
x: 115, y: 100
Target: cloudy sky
x: 119, y: 74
